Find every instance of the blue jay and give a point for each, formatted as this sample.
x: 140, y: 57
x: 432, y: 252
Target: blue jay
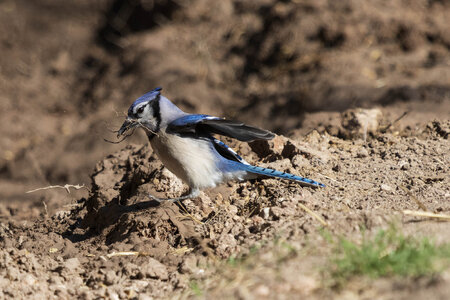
x: 186, y: 145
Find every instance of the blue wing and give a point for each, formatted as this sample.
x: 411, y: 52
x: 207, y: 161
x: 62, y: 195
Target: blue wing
x: 190, y: 120
x: 204, y: 124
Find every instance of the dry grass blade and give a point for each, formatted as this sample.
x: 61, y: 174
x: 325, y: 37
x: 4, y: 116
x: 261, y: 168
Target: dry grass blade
x: 181, y: 251
x: 313, y: 214
x: 328, y: 177
x: 66, y: 187
x: 127, y: 253
x: 420, y: 204
x: 426, y: 214
x: 189, y: 215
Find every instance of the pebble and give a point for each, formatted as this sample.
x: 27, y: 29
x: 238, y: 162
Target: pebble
x: 362, y: 152
x: 72, y: 264
x: 112, y: 295
x: 155, y: 269
x: 29, y: 280
x: 110, y: 277
x: 265, y: 213
x: 55, y: 280
x: 404, y: 165
x: 262, y: 291
x: 386, y: 187
x: 13, y: 273
x: 145, y: 297
x: 232, y: 209
x: 189, y: 265
x: 276, y: 211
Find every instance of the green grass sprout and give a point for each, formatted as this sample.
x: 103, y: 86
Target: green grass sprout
x: 388, y: 253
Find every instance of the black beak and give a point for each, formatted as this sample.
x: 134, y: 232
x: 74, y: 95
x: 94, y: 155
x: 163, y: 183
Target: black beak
x: 128, y: 124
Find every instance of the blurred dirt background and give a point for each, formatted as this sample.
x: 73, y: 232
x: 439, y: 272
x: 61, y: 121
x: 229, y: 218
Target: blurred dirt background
x: 333, y: 78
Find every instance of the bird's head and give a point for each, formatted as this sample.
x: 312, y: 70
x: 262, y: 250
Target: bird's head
x: 144, y: 112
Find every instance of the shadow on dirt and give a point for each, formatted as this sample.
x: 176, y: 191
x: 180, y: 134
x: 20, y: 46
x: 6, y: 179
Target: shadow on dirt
x: 124, y: 17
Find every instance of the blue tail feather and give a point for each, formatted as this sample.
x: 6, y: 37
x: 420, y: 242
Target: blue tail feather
x: 283, y: 175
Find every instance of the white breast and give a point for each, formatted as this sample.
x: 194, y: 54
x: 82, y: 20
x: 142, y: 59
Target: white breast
x: 192, y: 160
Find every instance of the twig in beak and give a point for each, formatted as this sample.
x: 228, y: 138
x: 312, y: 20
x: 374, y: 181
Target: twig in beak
x: 145, y: 128
x: 123, y: 139
x: 132, y: 124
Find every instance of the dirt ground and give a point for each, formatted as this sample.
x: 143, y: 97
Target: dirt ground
x: 333, y: 79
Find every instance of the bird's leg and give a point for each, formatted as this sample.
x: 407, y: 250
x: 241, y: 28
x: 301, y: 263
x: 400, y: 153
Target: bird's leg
x: 192, y: 194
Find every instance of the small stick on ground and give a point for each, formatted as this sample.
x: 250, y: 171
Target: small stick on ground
x: 426, y: 214
x: 384, y: 130
x: 313, y: 214
x: 188, y: 214
x: 181, y: 251
x: 420, y: 204
x: 66, y: 187
x: 327, y: 177
x: 127, y: 253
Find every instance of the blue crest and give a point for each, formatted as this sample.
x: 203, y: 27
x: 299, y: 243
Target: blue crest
x: 145, y: 98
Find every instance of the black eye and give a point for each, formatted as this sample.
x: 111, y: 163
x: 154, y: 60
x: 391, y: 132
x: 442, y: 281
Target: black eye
x: 140, y: 110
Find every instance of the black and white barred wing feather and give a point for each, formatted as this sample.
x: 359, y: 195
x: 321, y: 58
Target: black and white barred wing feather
x: 198, y: 124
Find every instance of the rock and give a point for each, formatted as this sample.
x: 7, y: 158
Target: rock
x: 232, y: 209
x: 130, y: 270
x: 386, y: 188
x: 276, y: 212
x: 77, y: 281
x: 145, y: 297
x: 112, y: 295
x: 404, y: 165
x: 110, y: 277
x: 55, y: 280
x: 357, y: 123
x: 226, y: 244
x: 189, y: 265
x: 265, y: 213
x: 257, y: 220
x: 72, y: 264
x: 29, y: 280
x: 362, y: 152
x: 155, y: 269
x: 262, y: 291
